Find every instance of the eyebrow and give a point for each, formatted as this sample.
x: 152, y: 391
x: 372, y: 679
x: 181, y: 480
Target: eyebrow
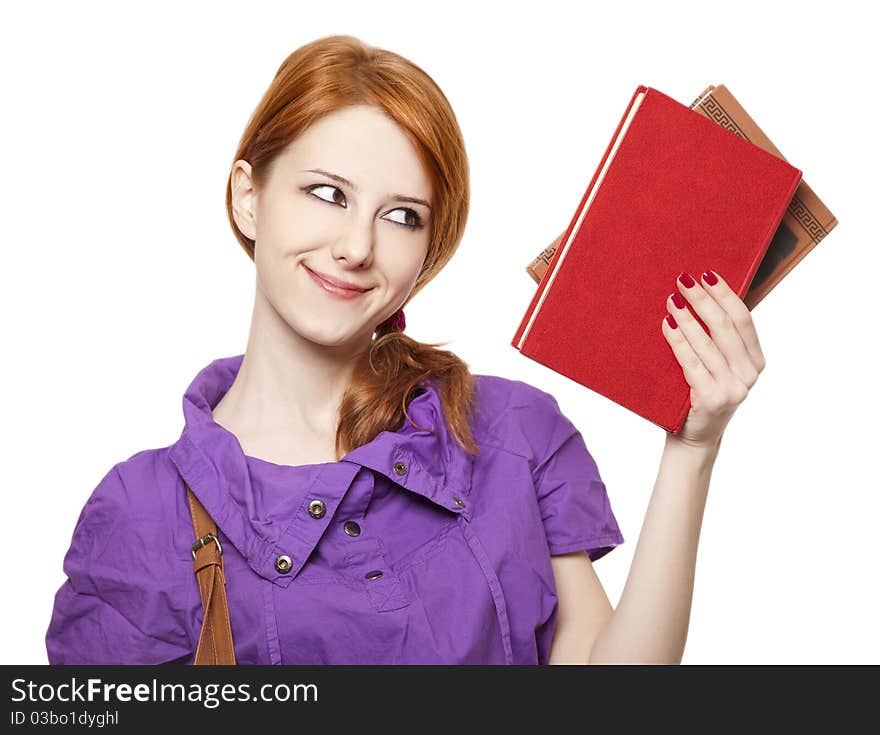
x: 343, y: 180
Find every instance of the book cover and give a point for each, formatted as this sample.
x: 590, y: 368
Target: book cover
x: 806, y: 221
x: 673, y: 192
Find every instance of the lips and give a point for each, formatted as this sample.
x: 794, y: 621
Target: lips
x: 338, y: 283
x: 345, y: 294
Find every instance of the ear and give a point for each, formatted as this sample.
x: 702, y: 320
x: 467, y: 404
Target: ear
x: 244, y: 199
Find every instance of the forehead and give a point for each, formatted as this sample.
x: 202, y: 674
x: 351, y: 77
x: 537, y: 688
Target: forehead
x: 364, y: 145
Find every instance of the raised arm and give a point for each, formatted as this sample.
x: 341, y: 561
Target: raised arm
x: 651, y: 620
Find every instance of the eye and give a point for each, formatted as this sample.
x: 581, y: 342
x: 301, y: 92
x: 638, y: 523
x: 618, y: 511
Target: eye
x: 324, y: 186
x: 415, y: 224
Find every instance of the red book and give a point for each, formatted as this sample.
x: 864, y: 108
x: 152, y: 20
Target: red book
x: 674, y: 192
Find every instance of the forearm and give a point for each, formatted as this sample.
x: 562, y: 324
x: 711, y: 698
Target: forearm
x: 650, y: 622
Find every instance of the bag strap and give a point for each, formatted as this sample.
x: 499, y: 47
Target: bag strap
x: 215, y: 641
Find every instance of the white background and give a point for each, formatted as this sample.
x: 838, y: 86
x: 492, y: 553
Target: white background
x: 121, y: 277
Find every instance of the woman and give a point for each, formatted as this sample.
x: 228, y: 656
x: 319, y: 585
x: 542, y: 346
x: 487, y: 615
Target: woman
x: 375, y: 502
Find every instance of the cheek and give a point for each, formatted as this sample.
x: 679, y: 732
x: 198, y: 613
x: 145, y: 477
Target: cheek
x: 402, y: 272
x: 412, y: 259
x: 284, y: 224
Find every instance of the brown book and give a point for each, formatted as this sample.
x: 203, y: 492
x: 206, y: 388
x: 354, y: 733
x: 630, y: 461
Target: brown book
x: 805, y: 222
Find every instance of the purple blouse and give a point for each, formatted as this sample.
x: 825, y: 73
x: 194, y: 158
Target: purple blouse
x: 406, y: 551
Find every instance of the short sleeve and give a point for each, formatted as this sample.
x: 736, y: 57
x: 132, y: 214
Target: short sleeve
x: 572, y: 498
x: 122, y: 602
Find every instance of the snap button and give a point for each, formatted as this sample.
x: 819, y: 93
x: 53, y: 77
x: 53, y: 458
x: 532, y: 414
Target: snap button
x: 375, y: 574
x: 317, y: 508
x: 400, y: 468
x: 458, y: 501
x: 352, y: 528
x: 283, y: 563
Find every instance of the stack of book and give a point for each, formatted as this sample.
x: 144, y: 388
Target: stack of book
x: 678, y: 189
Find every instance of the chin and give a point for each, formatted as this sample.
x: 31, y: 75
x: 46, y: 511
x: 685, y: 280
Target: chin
x: 332, y: 336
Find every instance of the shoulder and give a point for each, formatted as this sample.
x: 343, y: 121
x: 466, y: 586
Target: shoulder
x: 137, y: 502
x: 518, y: 417
x: 128, y: 571
x: 498, y: 389
x: 524, y: 420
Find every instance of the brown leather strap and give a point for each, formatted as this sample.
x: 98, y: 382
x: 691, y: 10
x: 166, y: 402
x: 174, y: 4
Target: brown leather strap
x: 215, y: 641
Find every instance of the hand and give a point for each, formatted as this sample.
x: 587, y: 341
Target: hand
x: 721, y: 368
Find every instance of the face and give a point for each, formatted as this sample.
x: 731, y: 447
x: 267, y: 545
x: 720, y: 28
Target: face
x: 366, y: 232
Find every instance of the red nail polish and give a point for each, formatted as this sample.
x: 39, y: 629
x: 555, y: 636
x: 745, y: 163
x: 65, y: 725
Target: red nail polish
x: 686, y: 280
x: 710, y: 278
x: 678, y: 300
x: 671, y: 321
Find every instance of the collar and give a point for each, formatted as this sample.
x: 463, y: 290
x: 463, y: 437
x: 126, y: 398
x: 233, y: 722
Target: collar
x: 213, y: 464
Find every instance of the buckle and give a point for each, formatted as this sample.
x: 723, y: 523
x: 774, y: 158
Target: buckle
x: 207, y: 538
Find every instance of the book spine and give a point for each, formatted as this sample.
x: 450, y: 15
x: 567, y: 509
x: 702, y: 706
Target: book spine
x: 521, y: 335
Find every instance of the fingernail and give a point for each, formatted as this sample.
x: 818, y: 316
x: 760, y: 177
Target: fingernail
x: 686, y: 280
x: 671, y: 321
x: 710, y: 278
x: 678, y: 300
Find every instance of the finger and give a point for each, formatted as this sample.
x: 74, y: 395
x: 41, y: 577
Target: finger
x: 733, y: 358
x: 695, y: 372
x: 739, y: 314
x: 701, y: 342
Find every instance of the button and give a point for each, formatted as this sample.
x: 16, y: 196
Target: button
x: 352, y: 528
x: 283, y: 563
x: 317, y: 508
x: 458, y: 501
x: 375, y: 574
x: 400, y: 468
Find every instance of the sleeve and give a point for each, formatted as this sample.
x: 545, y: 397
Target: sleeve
x: 572, y: 498
x: 123, y: 600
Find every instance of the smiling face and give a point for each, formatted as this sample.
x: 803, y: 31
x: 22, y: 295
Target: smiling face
x: 367, y: 232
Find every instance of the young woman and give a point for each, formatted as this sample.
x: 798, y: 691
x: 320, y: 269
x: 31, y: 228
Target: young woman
x: 375, y: 502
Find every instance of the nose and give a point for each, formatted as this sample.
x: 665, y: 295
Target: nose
x: 356, y: 242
